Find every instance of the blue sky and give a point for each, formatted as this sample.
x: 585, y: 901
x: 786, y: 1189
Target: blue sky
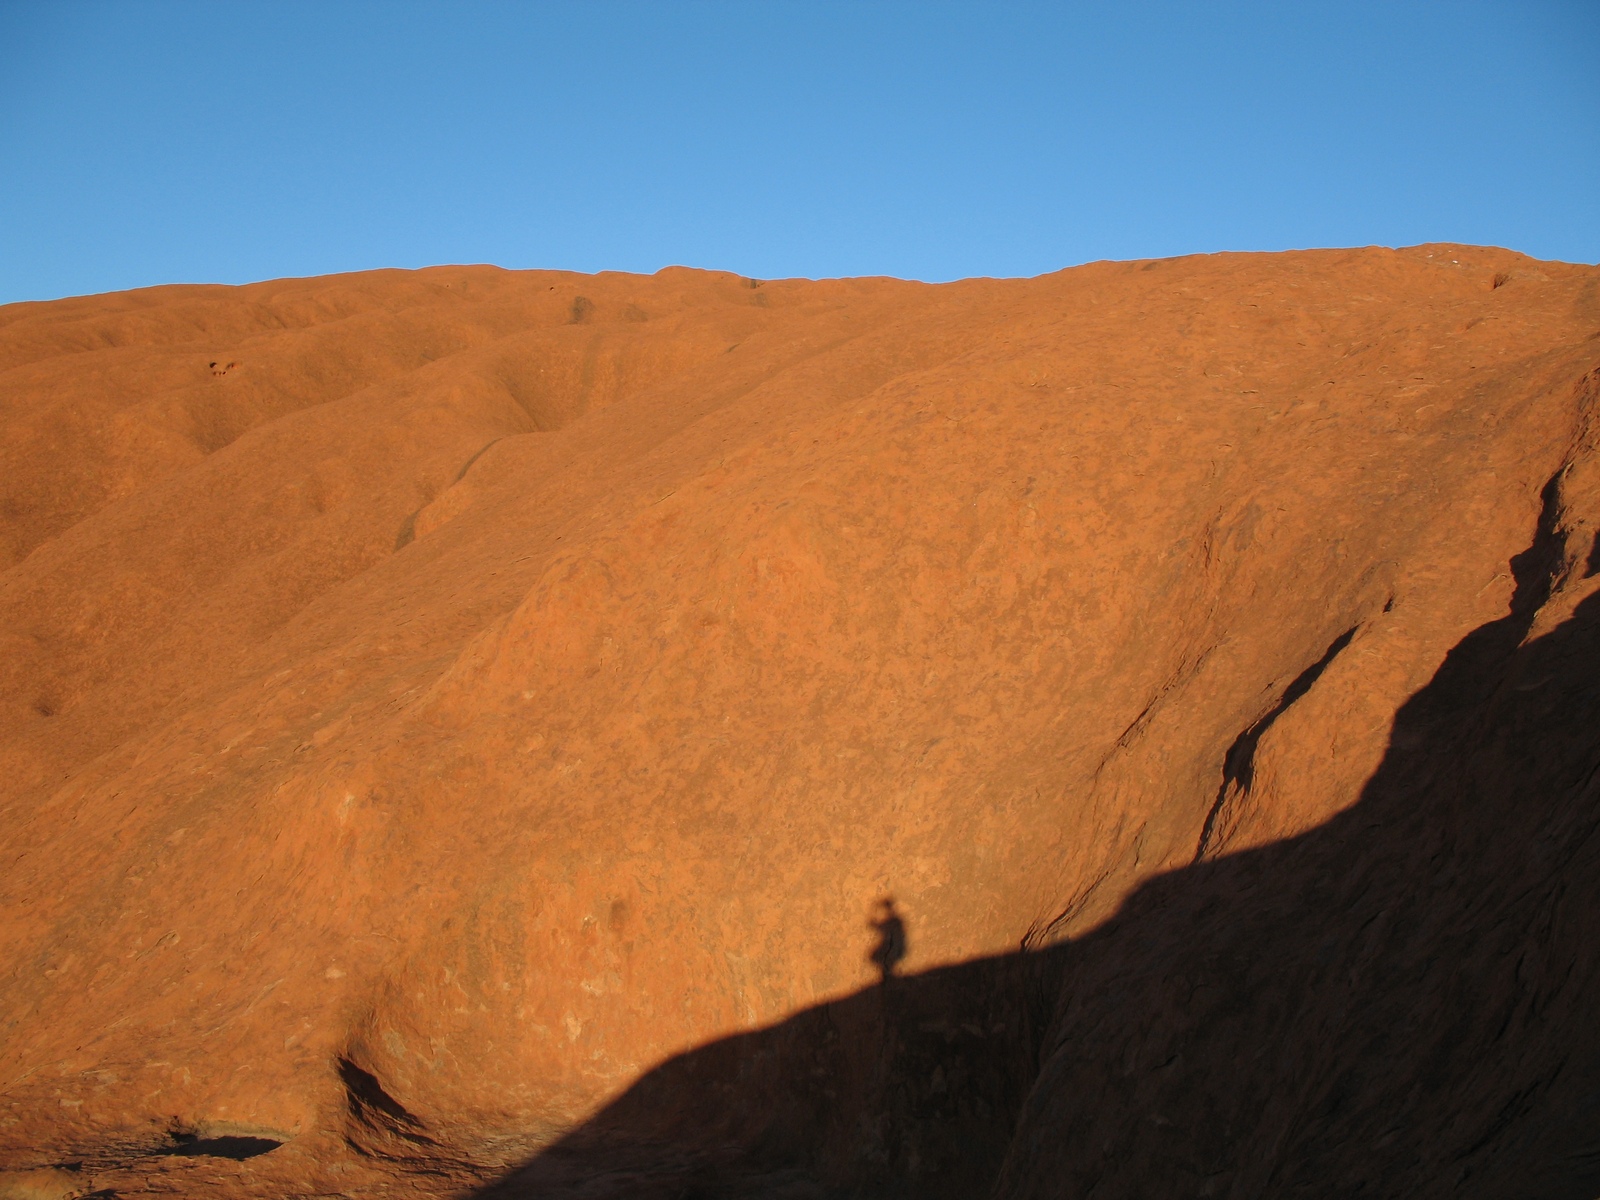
x: 145, y: 143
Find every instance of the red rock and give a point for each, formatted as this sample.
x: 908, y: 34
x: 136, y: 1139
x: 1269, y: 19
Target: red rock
x: 430, y: 701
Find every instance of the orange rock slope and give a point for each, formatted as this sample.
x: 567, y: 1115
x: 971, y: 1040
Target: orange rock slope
x: 461, y: 727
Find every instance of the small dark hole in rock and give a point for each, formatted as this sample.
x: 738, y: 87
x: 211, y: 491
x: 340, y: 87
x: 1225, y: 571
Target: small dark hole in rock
x: 235, y: 1146
x: 44, y: 708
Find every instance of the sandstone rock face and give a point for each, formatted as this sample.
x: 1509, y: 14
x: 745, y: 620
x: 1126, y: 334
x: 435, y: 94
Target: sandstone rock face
x: 1132, y: 731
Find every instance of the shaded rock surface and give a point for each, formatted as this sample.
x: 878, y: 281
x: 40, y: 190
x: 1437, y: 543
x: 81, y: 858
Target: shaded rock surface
x: 1129, y: 732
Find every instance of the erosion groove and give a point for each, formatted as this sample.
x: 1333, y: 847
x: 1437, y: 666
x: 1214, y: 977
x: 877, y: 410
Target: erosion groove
x: 375, y: 1110
x: 520, y: 734
x: 1238, y: 764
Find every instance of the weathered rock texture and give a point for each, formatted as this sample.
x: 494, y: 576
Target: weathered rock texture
x: 458, y: 726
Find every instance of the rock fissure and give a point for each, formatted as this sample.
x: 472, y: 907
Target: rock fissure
x: 1238, y: 764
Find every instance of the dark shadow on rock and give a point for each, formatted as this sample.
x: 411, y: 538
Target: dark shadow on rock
x: 1401, y: 1002
x: 890, y: 927
x: 237, y: 1147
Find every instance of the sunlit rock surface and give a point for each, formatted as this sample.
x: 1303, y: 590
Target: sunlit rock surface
x: 1132, y: 731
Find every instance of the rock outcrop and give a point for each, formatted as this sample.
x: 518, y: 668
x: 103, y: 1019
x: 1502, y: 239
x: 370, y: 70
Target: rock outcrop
x: 1133, y: 731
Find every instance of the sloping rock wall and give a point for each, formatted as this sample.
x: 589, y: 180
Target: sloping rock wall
x: 431, y: 702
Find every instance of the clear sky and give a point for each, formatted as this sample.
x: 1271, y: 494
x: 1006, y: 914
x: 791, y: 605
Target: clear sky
x: 145, y: 143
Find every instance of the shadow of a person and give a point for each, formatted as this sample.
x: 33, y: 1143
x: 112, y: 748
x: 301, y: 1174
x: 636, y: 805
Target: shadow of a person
x: 1389, y: 1003
x: 891, y: 947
